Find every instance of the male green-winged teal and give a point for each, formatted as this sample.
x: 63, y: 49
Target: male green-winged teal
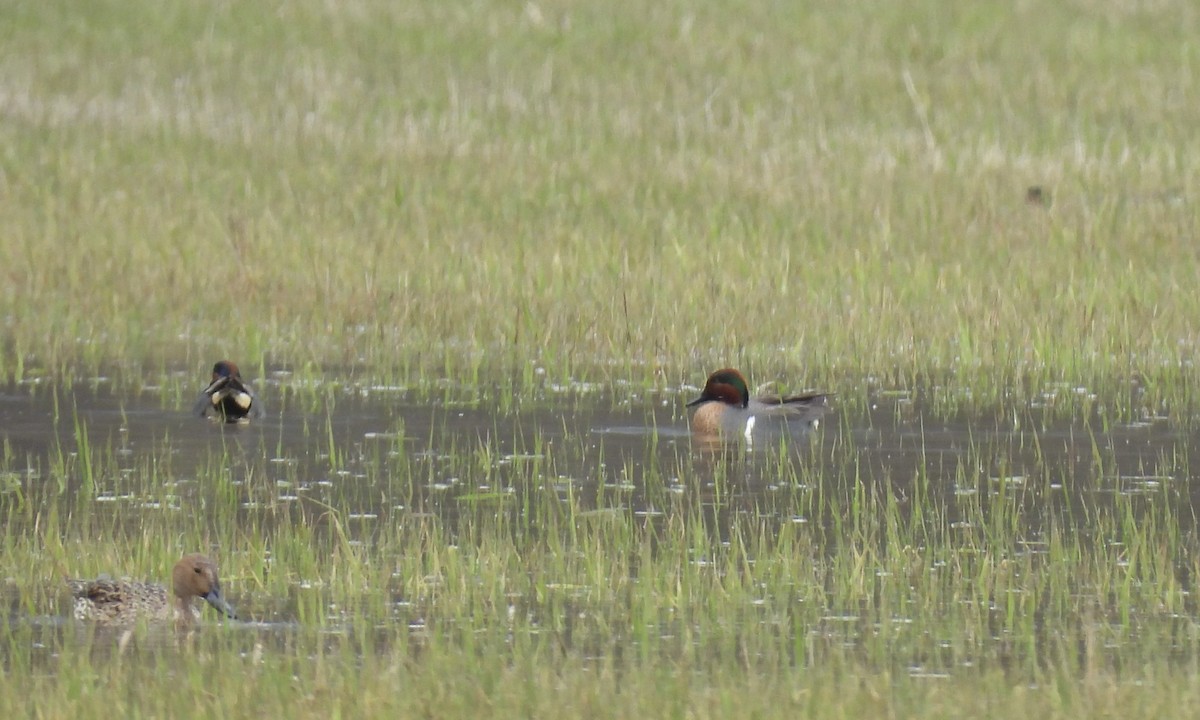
x: 726, y: 408
x: 227, y: 396
x: 124, y: 602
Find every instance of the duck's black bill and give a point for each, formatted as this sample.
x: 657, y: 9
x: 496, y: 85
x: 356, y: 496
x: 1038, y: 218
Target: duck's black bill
x: 215, y: 599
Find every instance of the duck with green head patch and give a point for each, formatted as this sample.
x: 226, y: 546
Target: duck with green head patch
x: 726, y: 408
x: 227, y: 396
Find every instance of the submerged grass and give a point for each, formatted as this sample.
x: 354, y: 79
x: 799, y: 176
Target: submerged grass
x: 528, y: 572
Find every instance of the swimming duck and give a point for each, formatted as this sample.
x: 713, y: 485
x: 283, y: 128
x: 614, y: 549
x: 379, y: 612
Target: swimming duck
x: 228, y: 396
x: 124, y: 602
x: 726, y: 408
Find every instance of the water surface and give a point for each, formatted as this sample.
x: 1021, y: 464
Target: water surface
x: 386, y: 457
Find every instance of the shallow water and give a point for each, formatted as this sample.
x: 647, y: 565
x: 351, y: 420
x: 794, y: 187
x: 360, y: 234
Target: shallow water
x: 389, y: 458
x: 349, y: 449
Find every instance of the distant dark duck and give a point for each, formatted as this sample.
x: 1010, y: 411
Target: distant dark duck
x: 228, y: 397
x: 726, y: 408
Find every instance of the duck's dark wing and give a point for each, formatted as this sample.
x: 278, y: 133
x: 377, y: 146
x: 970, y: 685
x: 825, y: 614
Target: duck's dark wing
x: 205, y: 402
x: 807, y: 400
x: 257, y: 411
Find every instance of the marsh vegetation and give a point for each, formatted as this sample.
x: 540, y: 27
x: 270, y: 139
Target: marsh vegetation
x: 475, y: 257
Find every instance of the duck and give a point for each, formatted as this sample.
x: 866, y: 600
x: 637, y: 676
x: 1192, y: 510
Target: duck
x: 125, y: 602
x: 725, y: 408
x: 227, y: 396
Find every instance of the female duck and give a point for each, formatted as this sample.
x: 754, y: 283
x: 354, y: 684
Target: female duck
x: 726, y: 408
x: 124, y: 602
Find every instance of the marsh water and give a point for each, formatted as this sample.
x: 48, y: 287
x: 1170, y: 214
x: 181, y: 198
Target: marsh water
x: 387, y: 457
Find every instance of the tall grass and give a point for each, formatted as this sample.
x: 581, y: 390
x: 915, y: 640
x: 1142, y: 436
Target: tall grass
x: 618, y: 191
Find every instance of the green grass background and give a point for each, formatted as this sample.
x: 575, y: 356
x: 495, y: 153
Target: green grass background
x: 828, y: 192
x: 456, y: 186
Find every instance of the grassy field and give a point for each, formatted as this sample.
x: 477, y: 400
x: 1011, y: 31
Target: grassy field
x: 620, y: 190
x: 501, y: 195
